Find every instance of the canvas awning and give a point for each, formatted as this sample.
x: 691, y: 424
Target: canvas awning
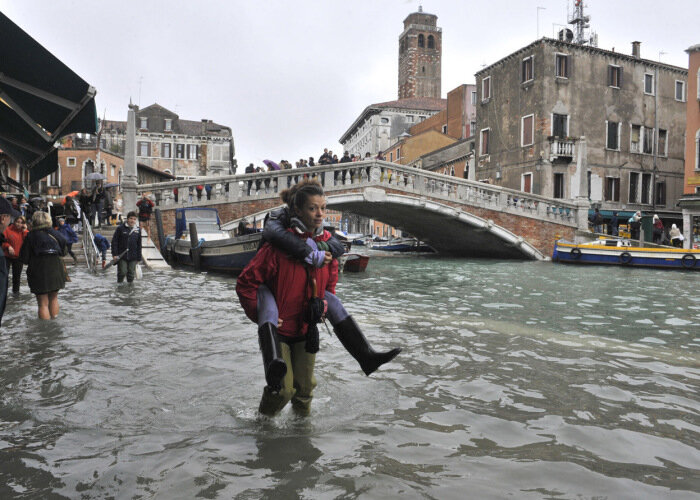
x: 41, y: 100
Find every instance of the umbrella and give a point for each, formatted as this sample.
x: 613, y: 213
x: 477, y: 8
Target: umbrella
x: 271, y: 164
x: 95, y: 176
x: 111, y: 184
x: 72, y: 194
x: 41, y: 100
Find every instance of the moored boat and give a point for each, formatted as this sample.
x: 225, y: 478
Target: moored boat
x: 355, y: 262
x: 208, y: 248
x: 401, y: 245
x: 621, y: 252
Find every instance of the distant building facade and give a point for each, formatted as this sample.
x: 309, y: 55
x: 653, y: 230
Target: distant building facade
x: 165, y: 142
x: 411, y: 147
x: 420, y: 56
x: 379, y: 125
x: 458, y: 119
x: 690, y: 202
x: 455, y: 159
x: 536, y: 104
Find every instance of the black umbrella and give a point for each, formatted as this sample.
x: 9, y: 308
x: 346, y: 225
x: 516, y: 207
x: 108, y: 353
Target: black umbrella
x: 41, y: 100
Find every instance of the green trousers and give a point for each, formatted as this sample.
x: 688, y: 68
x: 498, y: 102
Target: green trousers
x: 126, y: 268
x: 298, y: 384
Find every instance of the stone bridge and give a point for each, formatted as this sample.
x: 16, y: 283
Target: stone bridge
x: 455, y: 216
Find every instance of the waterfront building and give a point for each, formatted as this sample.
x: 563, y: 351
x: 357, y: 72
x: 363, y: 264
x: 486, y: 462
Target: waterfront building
x: 410, y: 147
x: 537, y: 104
x: 690, y: 202
x: 167, y: 143
x: 455, y: 159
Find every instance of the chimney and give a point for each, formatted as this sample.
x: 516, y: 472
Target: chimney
x: 635, y: 49
x: 204, y: 126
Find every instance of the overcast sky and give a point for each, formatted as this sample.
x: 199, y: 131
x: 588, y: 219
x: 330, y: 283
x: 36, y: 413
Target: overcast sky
x: 289, y: 77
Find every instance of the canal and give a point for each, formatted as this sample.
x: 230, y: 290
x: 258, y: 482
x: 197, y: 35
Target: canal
x: 517, y: 379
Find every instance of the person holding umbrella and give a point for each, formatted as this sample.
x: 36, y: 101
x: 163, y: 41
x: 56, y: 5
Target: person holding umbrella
x: 6, y: 214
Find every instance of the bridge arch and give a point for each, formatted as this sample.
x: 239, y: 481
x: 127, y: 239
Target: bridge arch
x: 450, y: 230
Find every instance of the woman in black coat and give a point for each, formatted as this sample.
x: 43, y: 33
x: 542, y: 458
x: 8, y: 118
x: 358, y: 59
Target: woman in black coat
x: 46, y: 274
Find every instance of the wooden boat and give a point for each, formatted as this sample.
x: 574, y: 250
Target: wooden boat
x: 401, y: 245
x: 621, y: 252
x: 200, y: 243
x: 355, y: 263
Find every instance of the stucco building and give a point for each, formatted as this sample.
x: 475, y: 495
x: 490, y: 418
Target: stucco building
x: 536, y: 104
x: 165, y: 142
x: 690, y: 202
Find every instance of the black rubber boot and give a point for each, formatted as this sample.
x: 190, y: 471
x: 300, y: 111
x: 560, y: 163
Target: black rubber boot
x: 356, y: 344
x: 275, y: 367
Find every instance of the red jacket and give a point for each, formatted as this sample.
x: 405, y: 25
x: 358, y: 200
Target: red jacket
x: 287, y: 279
x: 14, y: 239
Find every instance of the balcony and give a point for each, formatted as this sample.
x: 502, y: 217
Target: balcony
x: 561, y: 149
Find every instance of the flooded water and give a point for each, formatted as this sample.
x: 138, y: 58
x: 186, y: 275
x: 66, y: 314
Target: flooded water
x: 518, y: 379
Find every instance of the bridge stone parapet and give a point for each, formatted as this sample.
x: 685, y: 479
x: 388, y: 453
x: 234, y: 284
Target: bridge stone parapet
x: 533, y: 218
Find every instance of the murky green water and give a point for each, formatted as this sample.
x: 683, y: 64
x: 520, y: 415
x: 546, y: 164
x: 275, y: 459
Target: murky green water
x: 519, y: 380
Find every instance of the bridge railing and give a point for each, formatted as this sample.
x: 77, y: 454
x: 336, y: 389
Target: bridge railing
x: 343, y: 176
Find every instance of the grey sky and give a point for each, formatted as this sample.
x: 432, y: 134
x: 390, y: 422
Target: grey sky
x: 290, y: 77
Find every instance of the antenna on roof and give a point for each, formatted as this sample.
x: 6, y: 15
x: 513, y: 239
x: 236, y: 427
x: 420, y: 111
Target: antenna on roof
x: 581, y: 24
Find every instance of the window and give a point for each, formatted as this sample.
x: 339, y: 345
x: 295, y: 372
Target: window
x: 648, y: 143
x: 484, y: 146
x: 54, y: 179
x: 646, y: 185
x: 144, y: 148
x: 614, y: 76
x: 527, y: 127
x: 526, y: 183
x: 649, y: 83
x: 472, y: 128
x: 165, y: 150
x: 192, y: 151
x: 612, y: 189
x: 486, y: 88
x: 558, y: 185
x: 431, y: 42
x: 444, y: 129
x: 179, y: 150
x: 660, y: 194
x: 143, y: 122
x: 663, y: 142
x: 409, y: 118
x: 398, y: 154
x: 421, y: 40
x: 680, y: 90
x: 634, y: 186
x: 635, y: 134
x: 697, y: 150
x: 613, y: 136
x: 560, y: 125
x: 561, y: 66
x: 168, y: 125
x: 526, y: 73
x: 391, y: 156
x: 473, y: 97
x: 70, y: 162
x: 698, y: 84
x: 385, y: 121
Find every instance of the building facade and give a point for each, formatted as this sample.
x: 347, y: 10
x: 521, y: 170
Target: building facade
x: 458, y: 120
x: 165, y: 142
x: 420, y: 56
x: 408, y: 149
x: 536, y: 106
x: 380, y: 125
x: 690, y: 202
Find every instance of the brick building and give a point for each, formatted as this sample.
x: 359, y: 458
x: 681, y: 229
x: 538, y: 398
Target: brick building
x: 690, y: 202
x: 458, y: 119
x: 420, y: 56
x: 165, y: 142
x: 535, y: 105
x: 411, y: 147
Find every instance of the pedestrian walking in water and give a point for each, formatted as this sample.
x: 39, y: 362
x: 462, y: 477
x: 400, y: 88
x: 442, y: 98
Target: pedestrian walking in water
x: 42, y: 252
x: 289, y: 347
x: 6, y: 214
x: 102, y: 245
x: 126, y: 248
x: 15, y: 234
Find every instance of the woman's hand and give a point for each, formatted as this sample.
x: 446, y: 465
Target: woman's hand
x: 11, y: 251
x: 279, y: 323
x: 327, y: 259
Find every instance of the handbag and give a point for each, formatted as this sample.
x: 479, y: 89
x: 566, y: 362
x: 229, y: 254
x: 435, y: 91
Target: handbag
x: 66, y: 276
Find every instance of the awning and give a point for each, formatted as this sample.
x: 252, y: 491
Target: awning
x: 41, y: 100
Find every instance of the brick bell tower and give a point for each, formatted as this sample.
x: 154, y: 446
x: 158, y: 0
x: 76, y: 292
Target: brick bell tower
x: 420, y: 54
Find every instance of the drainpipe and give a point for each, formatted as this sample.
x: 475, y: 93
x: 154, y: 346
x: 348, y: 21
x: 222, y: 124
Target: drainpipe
x: 656, y: 138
